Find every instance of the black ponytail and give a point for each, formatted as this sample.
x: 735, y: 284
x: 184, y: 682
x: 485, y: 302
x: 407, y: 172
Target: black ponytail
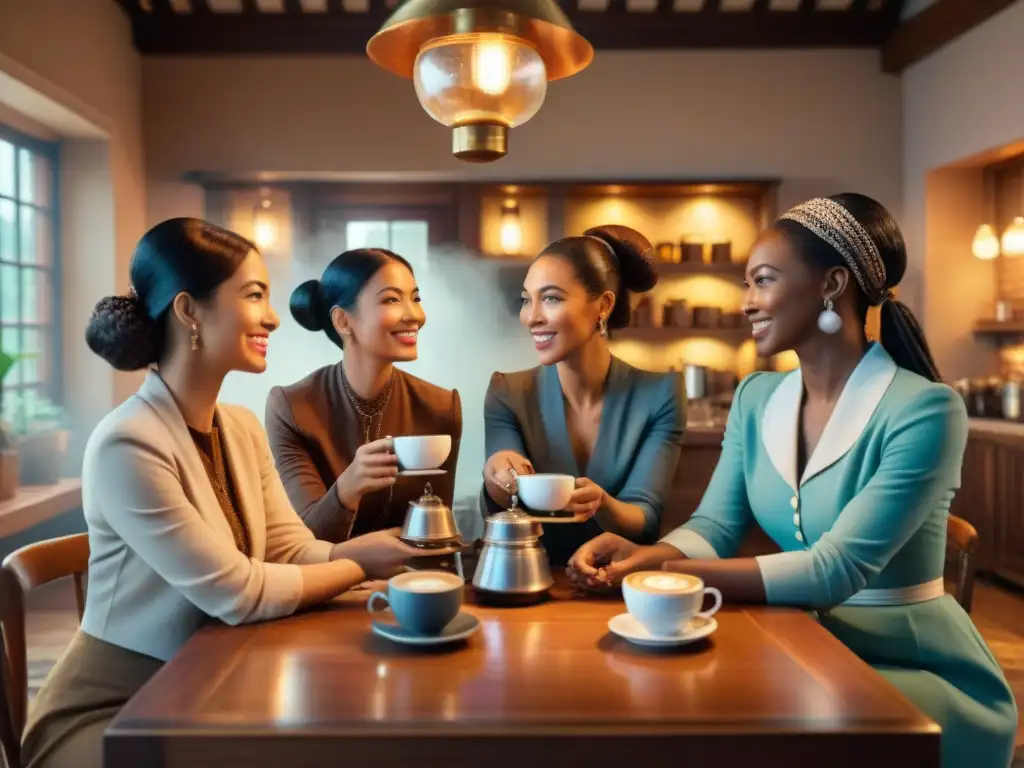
x: 904, y: 340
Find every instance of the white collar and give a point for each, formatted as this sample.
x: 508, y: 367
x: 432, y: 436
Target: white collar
x: 860, y: 397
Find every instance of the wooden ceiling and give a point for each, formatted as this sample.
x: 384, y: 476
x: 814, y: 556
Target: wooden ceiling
x: 204, y: 27
x: 260, y: 27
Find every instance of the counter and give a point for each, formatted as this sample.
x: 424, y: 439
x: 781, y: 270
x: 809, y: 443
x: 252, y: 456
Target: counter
x: 996, y: 427
x: 991, y: 496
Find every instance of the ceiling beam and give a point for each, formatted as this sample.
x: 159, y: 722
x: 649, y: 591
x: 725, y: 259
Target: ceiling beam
x: 236, y: 34
x: 934, y: 27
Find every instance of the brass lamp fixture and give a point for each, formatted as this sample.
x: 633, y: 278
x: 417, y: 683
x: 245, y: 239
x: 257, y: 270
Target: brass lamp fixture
x: 480, y: 67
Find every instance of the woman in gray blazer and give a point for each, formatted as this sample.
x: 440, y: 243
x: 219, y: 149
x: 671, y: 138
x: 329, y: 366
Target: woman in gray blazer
x: 583, y: 412
x: 188, y: 520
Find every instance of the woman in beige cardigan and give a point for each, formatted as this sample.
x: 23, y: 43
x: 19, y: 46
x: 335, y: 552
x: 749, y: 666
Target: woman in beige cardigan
x: 187, y: 517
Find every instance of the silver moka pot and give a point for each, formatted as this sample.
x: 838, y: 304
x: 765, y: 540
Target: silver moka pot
x: 430, y: 523
x: 512, y: 562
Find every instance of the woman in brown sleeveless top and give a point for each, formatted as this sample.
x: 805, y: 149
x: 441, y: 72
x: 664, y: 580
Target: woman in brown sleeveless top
x: 330, y: 432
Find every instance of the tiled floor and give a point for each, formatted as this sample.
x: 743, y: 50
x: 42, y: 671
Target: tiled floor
x: 998, y: 613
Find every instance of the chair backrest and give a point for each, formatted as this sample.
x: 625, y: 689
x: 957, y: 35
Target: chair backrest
x: 961, y: 541
x: 23, y: 570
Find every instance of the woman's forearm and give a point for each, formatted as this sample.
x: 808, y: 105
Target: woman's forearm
x: 627, y: 520
x: 738, y: 579
x: 324, y: 581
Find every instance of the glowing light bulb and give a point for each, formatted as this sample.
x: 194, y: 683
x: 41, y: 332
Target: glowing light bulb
x: 1013, y: 238
x: 511, y: 231
x: 492, y: 67
x: 986, y: 244
x: 264, y: 225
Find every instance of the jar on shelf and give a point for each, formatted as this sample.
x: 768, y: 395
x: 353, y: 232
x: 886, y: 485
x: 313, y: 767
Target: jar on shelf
x: 691, y: 251
x: 721, y: 253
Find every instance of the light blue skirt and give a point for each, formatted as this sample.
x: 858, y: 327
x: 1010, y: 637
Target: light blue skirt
x: 935, y: 655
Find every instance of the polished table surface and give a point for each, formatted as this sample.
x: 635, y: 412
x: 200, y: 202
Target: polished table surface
x: 541, y: 685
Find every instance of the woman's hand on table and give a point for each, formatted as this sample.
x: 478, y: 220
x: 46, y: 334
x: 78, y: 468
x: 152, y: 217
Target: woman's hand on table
x: 380, y: 554
x: 605, y: 560
x: 588, y: 567
x: 586, y: 500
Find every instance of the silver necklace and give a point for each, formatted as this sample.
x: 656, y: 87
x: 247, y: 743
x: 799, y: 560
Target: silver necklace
x: 370, y: 411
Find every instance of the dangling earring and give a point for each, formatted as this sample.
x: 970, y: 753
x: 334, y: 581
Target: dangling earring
x: 829, y: 321
x: 195, y: 337
x: 602, y: 326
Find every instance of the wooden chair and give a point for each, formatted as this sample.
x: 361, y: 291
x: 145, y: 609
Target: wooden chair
x: 23, y: 570
x: 961, y: 541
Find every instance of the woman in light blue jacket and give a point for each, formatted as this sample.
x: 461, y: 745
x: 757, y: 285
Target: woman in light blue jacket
x: 850, y: 464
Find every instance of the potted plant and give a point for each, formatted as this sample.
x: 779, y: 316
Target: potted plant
x: 9, y: 465
x: 41, y: 439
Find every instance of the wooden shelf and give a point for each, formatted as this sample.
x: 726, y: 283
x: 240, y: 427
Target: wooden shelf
x: 667, y: 335
x: 735, y: 269
x: 996, y: 328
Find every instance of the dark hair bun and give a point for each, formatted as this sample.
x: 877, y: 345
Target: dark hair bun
x: 635, y: 253
x: 305, y: 304
x: 123, y: 334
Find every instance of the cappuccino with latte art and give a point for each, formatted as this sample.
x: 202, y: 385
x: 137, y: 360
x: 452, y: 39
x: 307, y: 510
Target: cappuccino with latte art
x: 664, y: 603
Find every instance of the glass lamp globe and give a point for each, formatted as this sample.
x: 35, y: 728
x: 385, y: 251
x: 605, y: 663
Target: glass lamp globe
x: 480, y: 85
x: 1013, y: 238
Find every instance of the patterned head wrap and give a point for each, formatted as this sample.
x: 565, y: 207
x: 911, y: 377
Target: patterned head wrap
x: 835, y: 225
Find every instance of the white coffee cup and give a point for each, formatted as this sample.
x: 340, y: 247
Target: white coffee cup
x: 417, y: 452
x: 545, y: 492
x: 665, y: 602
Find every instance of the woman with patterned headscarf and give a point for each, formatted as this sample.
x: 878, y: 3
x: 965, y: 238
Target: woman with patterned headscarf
x: 849, y: 463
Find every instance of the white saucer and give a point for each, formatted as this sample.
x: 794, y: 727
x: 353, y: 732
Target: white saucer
x: 421, y: 472
x: 459, y: 628
x: 626, y: 626
x: 548, y: 520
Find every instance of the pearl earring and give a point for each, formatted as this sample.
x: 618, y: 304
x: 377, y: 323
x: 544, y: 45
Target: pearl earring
x: 829, y: 321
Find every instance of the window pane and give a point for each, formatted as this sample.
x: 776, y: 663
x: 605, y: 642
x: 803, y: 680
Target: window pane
x: 6, y: 168
x: 33, y: 178
x: 8, y: 294
x: 367, y: 234
x: 36, y: 243
x: 36, y: 367
x: 35, y: 296
x: 10, y: 342
x: 8, y: 232
x: 410, y: 239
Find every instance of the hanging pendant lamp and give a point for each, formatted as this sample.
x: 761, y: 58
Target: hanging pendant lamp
x: 480, y: 67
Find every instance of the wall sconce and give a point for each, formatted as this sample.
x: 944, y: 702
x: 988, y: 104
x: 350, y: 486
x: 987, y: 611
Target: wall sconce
x: 511, y: 232
x: 986, y: 243
x: 265, y: 229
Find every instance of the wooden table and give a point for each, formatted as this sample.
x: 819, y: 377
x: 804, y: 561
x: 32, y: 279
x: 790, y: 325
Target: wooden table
x: 536, y: 686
